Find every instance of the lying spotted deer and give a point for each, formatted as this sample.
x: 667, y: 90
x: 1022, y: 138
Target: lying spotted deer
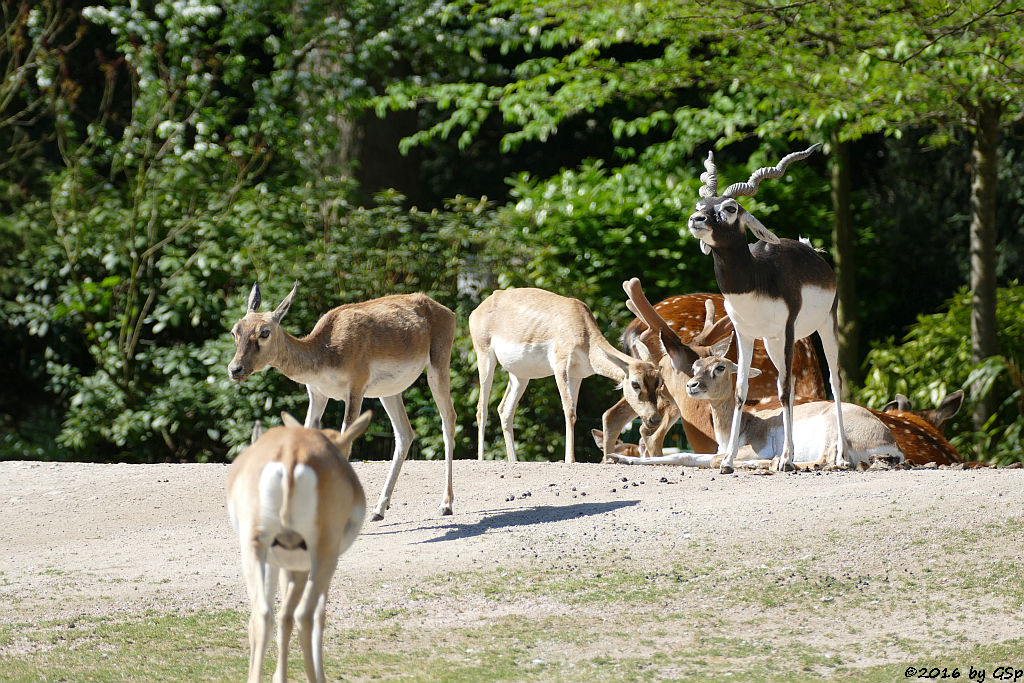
x: 686, y: 315
x: 534, y: 333
x: 372, y: 349
x: 919, y: 433
x: 296, y: 505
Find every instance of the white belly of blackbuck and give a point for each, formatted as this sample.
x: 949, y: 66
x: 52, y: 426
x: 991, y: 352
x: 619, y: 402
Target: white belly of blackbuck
x: 764, y: 318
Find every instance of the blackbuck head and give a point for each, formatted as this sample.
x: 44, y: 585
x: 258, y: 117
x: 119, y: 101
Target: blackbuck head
x: 257, y: 335
x: 719, y: 220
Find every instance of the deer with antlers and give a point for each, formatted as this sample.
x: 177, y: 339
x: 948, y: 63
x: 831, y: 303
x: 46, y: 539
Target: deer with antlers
x: 777, y: 290
x: 372, y: 349
x: 296, y: 505
x: 919, y: 433
x: 707, y: 375
x: 534, y: 333
x: 687, y: 316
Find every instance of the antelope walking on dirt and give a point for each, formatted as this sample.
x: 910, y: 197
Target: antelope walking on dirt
x: 534, y: 333
x: 778, y: 290
x: 372, y: 349
x: 296, y: 505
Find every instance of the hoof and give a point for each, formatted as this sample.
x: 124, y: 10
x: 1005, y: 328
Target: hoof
x: 376, y: 517
x: 446, y: 510
x: 726, y: 469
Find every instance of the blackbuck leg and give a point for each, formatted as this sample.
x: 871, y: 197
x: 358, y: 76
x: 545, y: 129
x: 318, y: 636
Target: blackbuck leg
x: 395, y: 408
x: 507, y: 412
x: 261, y: 582
x: 486, y: 364
x: 744, y: 354
x: 294, y: 587
x: 569, y: 391
x: 312, y: 613
x: 613, y: 422
x: 317, y: 405
x: 781, y: 354
x: 830, y: 345
x: 440, y: 388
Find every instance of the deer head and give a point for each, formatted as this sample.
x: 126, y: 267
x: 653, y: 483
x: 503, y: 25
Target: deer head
x: 720, y: 220
x: 257, y: 335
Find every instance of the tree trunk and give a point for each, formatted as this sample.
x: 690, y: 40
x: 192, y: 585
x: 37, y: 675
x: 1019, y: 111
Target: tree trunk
x: 844, y: 264
x: 984, y: 168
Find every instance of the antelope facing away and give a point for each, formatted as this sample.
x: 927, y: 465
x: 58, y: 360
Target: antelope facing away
x: 686, y: 315
x: 372, y: 349
x: 534, y: 333
x: 296, y: 505
x: 761, y: 432
x: 778, y: 290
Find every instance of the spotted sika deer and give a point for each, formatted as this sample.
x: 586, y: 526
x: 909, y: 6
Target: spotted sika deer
x: 777, y: 290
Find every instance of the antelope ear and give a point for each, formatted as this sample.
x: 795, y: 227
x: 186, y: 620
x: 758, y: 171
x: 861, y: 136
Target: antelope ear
x: 721, y: 348
x: 755, y: 226
x: 257, y: 431
x: 704, y: 248
x: 598, y: 437
x: 289, y: 421
x: 285, y: 305
x: 255, y: 298
x: 754, y: 372
x: 354, y: 430
x: 950, y: 405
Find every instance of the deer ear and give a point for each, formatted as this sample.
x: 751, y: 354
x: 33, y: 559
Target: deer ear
x: 289, y: 421
x: 598, y: 437
x: 641, y: 351
x: 950, y: 406
x: 255, y: 298
x: 681, y: 355
x: 721, y: 348
x: 285, y: 305
x: 762, y: 233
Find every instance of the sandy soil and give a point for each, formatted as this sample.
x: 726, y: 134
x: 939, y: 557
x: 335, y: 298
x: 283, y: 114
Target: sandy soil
x: 83, y: 538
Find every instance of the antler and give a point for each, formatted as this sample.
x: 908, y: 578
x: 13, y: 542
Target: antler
x: 709, y: 178
x: 749, y: 188
x: 643, y: 309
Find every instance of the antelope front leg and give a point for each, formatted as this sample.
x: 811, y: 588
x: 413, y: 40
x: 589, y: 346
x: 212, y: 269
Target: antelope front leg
x: 395, y: 408
x: 569, y: 390
x: 317, y: 404
x: 744, y: 349
x: 612, y: 423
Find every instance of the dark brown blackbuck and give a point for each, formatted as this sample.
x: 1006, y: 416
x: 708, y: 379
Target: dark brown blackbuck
x: 776, y: 290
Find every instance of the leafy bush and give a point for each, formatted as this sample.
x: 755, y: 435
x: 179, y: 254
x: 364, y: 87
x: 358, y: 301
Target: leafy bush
x: 935, y: 358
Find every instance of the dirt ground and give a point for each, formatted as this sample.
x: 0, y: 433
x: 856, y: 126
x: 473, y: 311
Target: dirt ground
x: 83, y: 539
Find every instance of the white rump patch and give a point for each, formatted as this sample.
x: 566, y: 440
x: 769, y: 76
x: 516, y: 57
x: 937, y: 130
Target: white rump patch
x: 303, y: 512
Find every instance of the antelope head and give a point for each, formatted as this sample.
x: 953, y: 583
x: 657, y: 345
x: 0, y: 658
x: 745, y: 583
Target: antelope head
x: 720, y: 220
x: 257, y: 335
x: 712, y: 374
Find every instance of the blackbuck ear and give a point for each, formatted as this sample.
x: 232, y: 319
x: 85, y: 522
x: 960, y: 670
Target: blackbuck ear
x: 257, y: 431
x: 285, y: 305
x: 289, y: 420
x: 255, y: 298
x: 755, y: 226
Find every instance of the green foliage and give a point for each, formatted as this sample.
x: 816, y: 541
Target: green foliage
x: 935, y: 359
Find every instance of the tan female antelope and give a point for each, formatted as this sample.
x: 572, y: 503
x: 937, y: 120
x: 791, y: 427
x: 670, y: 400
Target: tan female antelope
x: 296, y: 505
x: 372, y: 349
x: 534, y: 333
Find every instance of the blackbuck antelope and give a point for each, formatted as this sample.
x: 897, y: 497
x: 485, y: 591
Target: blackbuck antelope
x: 686, y: 315
x: 919, y: 433
x: 761, y: 432
x: 372, y: 349
x: 534, y: 333
x: 777, y: 290
x: 296, y: 505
